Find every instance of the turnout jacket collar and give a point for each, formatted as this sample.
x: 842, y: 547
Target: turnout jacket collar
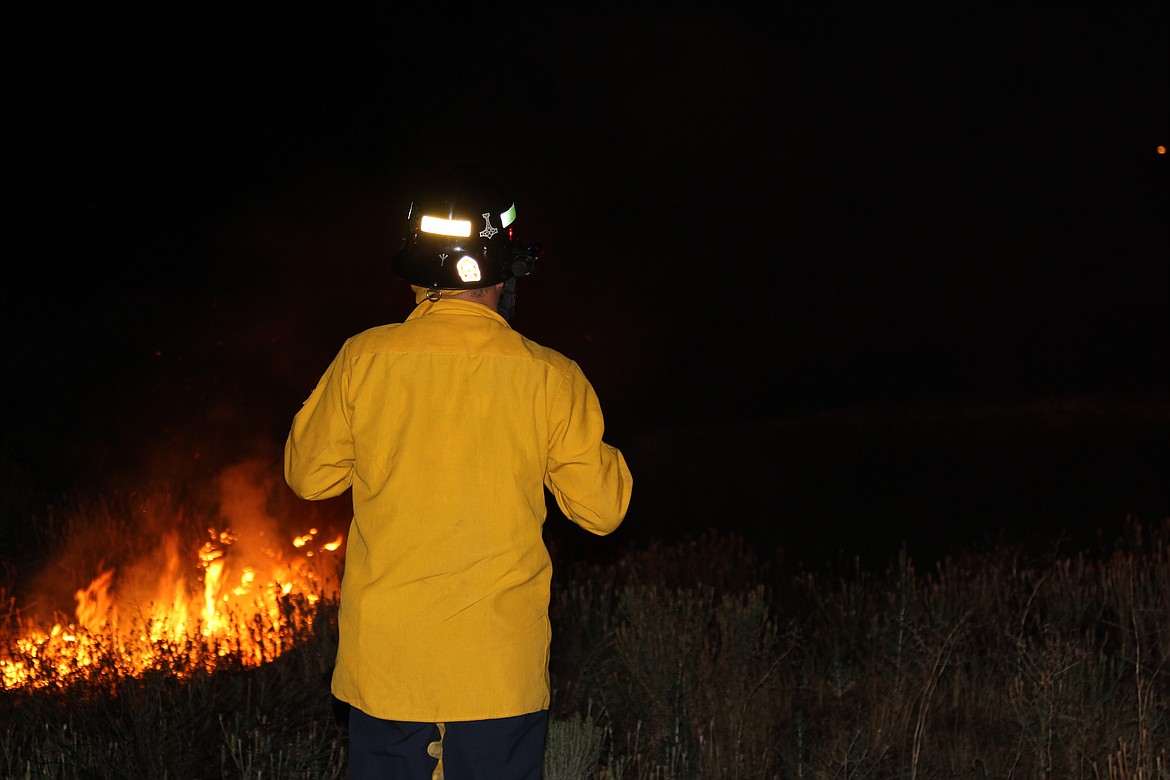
x: 455, y: 306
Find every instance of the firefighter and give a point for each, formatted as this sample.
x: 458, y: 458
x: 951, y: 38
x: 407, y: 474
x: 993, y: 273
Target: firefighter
x: 448, y: 427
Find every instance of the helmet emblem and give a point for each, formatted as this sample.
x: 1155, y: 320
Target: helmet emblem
x: 443, y: 258
x: 468, y: 269
x: 488, y: 230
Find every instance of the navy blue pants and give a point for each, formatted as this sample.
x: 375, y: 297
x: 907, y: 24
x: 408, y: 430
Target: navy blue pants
x: 496, y: 749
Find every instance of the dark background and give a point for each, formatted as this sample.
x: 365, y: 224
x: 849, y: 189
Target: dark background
x: 843, y: 279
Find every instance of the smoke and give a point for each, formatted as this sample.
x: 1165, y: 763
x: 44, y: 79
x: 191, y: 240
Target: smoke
x: 135, y: 551
x: 244, y: 491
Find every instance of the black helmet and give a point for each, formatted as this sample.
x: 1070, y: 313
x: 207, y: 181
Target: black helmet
x: 458, y: 233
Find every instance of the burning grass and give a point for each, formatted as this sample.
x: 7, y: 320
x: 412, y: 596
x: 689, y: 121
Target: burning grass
x: 691, y: 659
x: 170, y: 582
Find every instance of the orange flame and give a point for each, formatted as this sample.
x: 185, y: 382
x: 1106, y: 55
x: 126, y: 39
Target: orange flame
x: 244, y: 591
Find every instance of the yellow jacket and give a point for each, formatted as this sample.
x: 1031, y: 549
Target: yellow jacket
x: 448, y: 427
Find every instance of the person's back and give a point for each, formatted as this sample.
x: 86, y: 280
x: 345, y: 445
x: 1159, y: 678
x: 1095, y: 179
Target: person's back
x: 448, y: 427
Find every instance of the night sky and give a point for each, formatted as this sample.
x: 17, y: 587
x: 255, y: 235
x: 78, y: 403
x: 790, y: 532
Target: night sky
x: 842, y: 278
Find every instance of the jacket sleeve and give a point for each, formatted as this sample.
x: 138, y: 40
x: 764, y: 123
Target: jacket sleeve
x: 588, y: 478
x: 319, y: 451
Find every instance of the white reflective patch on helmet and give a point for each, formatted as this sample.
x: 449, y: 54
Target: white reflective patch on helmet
x: 468, y: 269
x: 508, y: 217
x: 445, y: 227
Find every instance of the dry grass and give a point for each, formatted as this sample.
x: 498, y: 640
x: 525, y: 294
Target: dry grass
x: 699, y: 659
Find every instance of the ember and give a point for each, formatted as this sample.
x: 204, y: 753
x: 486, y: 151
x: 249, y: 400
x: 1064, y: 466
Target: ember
x: 242, y: 593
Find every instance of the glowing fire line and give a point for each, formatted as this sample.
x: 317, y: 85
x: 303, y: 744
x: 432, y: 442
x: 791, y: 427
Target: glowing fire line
x: 250, y: 608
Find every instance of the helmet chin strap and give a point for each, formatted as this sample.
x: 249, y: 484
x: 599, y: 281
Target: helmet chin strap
x: 507, y: 304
